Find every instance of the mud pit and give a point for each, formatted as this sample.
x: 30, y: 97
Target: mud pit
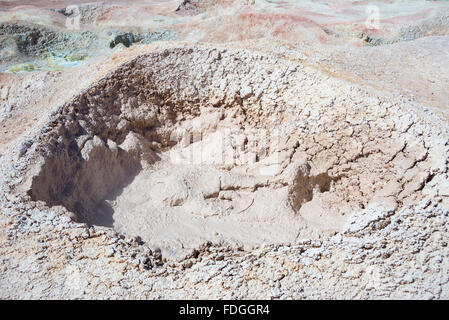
x: 184, y: 146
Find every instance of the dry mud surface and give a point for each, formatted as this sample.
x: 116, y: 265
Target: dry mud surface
x: 169, y: 162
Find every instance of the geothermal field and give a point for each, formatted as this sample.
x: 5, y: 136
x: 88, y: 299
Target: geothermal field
x: 224, y: 149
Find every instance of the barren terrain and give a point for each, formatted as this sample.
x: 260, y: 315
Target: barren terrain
x: 224, y: 149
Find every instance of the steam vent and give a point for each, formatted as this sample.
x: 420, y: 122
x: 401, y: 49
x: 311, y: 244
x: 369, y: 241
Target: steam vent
x: 224, y: 149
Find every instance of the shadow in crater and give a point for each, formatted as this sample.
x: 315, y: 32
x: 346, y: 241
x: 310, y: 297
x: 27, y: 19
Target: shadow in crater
x: 85, y: 185
x: 302, y: 189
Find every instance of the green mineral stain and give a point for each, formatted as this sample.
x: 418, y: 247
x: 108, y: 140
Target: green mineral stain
x: 75, y: 57
x: 50, y: 59
x: 22, y: 68
x: 50, y: 62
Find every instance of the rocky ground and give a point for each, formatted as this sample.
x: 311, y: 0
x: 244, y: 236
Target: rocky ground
x: 224, y: 149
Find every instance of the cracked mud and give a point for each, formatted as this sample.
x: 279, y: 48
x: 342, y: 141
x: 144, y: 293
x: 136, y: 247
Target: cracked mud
x: 217, y: 167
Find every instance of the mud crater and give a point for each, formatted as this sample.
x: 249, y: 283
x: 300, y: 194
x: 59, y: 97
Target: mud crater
x: 161, y: 149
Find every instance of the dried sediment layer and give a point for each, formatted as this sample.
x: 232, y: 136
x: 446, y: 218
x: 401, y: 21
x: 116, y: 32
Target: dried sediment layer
x: 188, y: 145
